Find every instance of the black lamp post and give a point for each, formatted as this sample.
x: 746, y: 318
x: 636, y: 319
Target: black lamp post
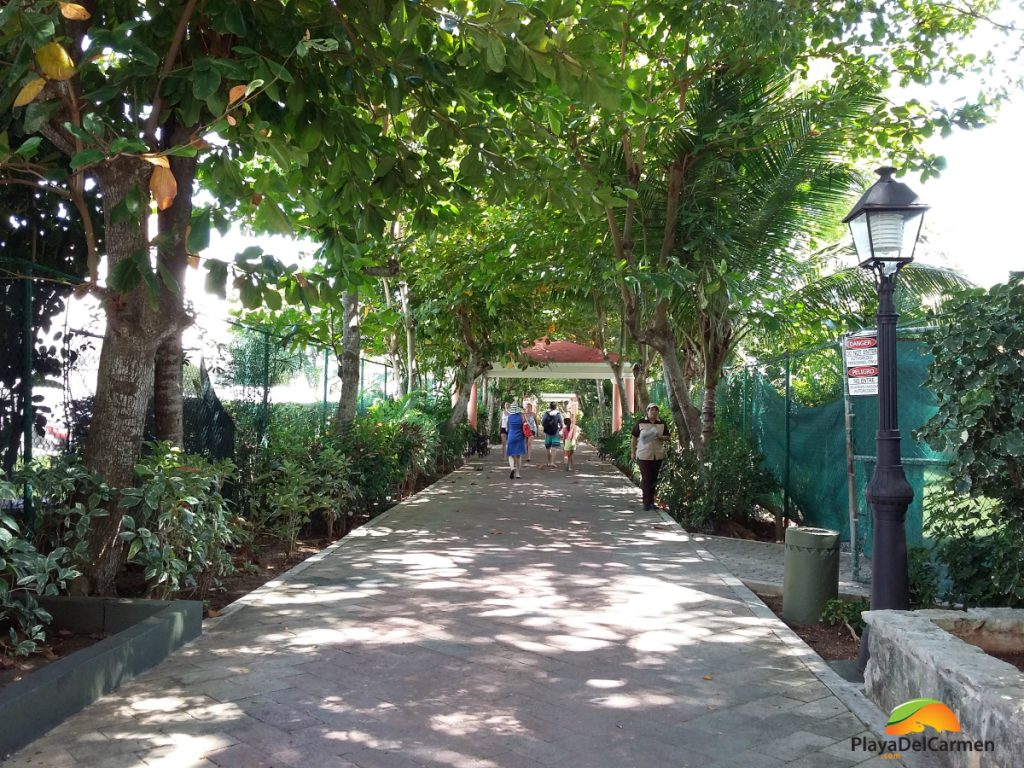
x: 885, y: 225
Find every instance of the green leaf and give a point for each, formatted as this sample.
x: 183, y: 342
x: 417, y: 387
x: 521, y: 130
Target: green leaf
x: 86, y: 157
x: 29, y: 147
x: 205, y: 83
x: 125, y: 276
x: 38, y: 28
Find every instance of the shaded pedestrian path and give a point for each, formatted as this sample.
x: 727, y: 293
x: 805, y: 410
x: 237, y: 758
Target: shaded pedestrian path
x: 484, y: 623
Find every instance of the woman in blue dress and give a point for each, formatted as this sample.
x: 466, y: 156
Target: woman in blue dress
x: 516, y: 446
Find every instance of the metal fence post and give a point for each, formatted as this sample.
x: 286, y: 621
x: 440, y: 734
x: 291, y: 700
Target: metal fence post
x: 786, y: 485
x: 323, y: 410
x: 265, y: 415
x: 28, y: 415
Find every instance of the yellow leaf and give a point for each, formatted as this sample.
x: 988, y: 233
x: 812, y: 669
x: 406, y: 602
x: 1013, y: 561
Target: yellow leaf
x: 160, y: 161
x: 74, y: 11
x: 236, y: 93
x: 54, y: 62
x: 193, y: 261
x: 231, y: 120
x: 30, y: 90
x: 163, y: 186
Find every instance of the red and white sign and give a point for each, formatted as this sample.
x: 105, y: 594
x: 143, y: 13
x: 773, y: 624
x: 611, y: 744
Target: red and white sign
x: 860, y: 355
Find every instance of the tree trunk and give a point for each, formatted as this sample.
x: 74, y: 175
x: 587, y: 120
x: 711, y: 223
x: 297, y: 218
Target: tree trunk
x: 410, y: 338
x: 173, y: 224
x: 640, y: 371
x: 684, y: 414
x: 136, y: 325
x: 348, y: 362
x: 708, y: 412
x: 474, y: 369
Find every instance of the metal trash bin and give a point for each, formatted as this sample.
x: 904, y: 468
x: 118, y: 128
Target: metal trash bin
x: 811, y: 573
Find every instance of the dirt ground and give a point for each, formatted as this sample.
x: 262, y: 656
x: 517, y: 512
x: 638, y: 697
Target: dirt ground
x: 59, y: 645
x: 828, y: 642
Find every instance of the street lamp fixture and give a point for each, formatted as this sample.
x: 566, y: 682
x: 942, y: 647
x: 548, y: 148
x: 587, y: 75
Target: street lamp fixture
x: 885, y: 225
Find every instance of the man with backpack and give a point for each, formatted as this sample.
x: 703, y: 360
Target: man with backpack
x: 552, y: 424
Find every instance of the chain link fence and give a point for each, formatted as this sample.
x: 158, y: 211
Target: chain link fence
x: 238, y: 380
x: 819, y: 441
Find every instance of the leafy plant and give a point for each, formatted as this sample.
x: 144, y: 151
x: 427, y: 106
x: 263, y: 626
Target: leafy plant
x: 978, y: 544
x: 728, y: 484
x: 838, y: 611
x: 923, y: 575
x: 978, y: 379
x: 25, y: 574
x: 68, y: 497
x: 179, y: 528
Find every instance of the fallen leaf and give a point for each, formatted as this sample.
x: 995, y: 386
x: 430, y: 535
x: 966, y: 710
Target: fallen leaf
x: 708, y: 677
x: 65, y: 632
x: 29, y: 91
x: 50, y: 655
x: 55, y: 62
x: 213, y: 613
x: 74, y: 11
x: 164, y: 187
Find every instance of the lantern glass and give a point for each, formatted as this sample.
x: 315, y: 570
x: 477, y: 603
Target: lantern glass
x: 885, y: 238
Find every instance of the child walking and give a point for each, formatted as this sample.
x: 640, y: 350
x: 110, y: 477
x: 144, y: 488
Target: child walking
x: 570, y: 436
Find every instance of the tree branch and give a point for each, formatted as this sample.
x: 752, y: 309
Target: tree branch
x: 165, y: 70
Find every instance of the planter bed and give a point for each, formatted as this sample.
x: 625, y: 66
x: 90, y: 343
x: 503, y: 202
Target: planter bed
x: 142, y: 634
x: 920, y: 654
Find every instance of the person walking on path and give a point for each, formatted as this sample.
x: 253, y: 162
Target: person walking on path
x: 552, y: 424
x: 516, y: 446
x: 570, y: 436
x: 531, y: 422
x: 503, y: 428
x: 648, y: 448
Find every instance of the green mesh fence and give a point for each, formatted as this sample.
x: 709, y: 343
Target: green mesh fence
x: 796, y: 408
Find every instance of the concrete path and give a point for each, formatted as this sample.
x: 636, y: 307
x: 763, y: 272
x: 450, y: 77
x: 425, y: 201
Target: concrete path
x: 485, y: 623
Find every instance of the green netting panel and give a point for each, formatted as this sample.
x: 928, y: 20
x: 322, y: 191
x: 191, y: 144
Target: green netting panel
x: 811, y: 460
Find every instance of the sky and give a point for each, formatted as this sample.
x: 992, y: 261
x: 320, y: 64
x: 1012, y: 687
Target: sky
x: 975, y: 215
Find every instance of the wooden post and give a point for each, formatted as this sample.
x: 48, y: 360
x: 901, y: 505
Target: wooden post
x: 616, y: 407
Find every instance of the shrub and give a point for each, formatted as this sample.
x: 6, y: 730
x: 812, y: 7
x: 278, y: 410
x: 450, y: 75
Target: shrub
x: 727, y: 485
x: 838, y: 611
x: 179, y: 527
x: 25, y: 574
x: 978, y: 545
x: 978, y: 378
x: 923, y: 575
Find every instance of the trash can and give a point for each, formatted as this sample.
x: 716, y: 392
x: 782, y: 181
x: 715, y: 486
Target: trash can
x: 811, y: 573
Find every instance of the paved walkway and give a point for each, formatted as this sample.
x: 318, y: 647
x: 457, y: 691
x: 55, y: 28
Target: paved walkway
x: 485, y: 623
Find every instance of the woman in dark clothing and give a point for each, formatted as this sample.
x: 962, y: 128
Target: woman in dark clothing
x: 648, y: 446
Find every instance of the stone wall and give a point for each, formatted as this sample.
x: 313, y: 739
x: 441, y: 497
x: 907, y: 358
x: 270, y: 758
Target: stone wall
x: 912, y: 657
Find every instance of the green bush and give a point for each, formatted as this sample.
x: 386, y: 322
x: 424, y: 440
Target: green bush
x: 979, y: 546
x: 977, y: 376
x: 727, y: 485
x: 837, y: 612
x: 67, y: 497
x: 25, y: 575
x: 179, y: 527
x: 923, y: 576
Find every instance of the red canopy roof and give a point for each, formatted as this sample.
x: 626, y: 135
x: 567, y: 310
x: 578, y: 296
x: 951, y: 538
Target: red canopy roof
x: 544, y: 351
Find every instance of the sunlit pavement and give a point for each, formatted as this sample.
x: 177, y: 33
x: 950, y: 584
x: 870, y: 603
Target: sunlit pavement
x: 486, y: 622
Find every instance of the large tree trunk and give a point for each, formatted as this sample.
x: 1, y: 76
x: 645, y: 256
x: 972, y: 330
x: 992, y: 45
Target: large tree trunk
x: 136, y: 325
x: 172, y: 254
x: 348, y: 362
x: 641, y: 369
x: 410, y: 339
x: 474, y: 368
x: 685, y: 416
